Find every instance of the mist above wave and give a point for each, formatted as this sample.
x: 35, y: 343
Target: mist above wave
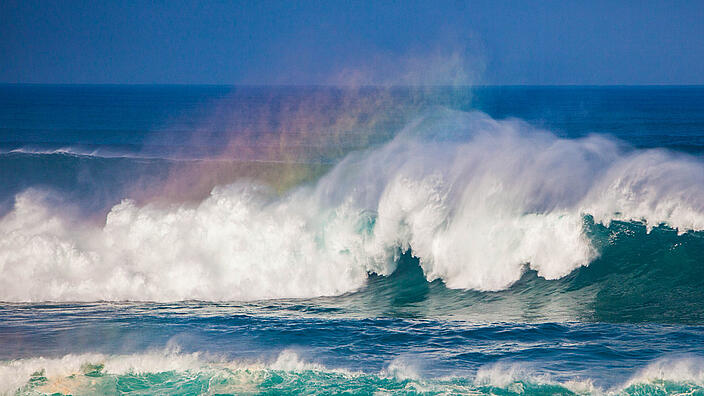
x: 475, y: 199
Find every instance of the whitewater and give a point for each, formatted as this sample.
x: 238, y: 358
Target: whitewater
x: 476, y: 200
x: 172, y: 372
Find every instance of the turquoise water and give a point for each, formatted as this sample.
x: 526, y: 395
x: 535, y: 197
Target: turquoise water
x: 263, y: 240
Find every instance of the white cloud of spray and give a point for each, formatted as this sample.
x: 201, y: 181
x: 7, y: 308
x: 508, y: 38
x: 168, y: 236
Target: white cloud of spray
x: 359, y: 104
x: 475, y: 199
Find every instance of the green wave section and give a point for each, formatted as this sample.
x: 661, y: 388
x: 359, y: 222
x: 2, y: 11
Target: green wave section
x: 640, y: 276
x: 315, y: 382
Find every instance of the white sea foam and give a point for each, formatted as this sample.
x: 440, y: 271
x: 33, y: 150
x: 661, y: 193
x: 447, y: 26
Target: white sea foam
x: 475, y: 199
x: 67, y: 374
x: 681, y: 370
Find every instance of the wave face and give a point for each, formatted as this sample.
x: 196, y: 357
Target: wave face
x: 477, y: 201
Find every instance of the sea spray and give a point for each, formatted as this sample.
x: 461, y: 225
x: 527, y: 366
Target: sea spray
x: 476, y: 200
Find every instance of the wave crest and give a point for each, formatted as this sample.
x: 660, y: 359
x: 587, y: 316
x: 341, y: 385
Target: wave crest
x: 170, y: 371
x: 475, y: 199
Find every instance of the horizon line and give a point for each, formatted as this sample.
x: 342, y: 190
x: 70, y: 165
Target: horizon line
x: 346, y: 85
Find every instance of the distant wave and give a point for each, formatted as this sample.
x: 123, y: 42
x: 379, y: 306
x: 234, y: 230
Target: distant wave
x: 476, y: 200
x: 94, y: 153
x: 71, y: 150
x: 170, y: 371
x: 165, y: 155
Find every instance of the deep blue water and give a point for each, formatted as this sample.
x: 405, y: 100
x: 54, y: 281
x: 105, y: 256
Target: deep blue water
x: 203, y: 240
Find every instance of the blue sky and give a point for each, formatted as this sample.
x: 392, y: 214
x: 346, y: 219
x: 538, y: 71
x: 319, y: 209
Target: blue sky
x: 328, y: 42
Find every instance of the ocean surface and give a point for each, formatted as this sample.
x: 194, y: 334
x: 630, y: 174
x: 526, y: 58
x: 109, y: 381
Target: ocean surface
x: 317, y: 240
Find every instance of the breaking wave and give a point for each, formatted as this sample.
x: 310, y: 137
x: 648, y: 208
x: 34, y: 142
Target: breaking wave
x: 477, y: 201
x: 192, y: 373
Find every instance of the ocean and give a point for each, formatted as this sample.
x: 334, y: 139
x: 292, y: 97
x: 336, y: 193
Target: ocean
x: 351, y: 240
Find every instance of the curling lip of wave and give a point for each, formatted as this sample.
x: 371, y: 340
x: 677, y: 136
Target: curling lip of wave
x: 475, y: 199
